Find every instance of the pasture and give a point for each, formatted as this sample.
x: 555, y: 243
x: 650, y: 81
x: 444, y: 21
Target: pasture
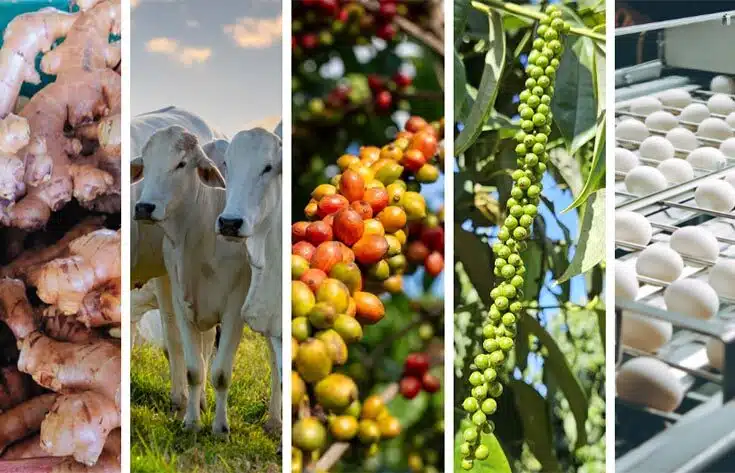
x: 159, y: 444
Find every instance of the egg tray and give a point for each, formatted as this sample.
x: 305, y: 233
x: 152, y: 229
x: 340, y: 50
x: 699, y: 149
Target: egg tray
x: 651, y: 440
x: 622, y: 110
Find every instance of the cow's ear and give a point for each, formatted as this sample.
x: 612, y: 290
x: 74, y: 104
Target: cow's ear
x: 216, y: 150
x: 209, y: 174
x: 136, y: 170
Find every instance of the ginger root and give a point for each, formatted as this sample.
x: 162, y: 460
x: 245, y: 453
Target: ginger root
x: 78, y: 425
x: 24, y: 419
x: 87, y: 45
x: 76, y: 98
x: 69, y: 367
x: 94, y: 260
x: 14, y: 387
x: 24, y: 38
x: 15, y: 310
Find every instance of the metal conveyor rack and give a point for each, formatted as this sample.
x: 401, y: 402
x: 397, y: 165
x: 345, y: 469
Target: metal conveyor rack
x: 701, y: 431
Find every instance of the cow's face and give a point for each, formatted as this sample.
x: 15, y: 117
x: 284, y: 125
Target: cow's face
x: 173, y: 163
x: 253, y: 162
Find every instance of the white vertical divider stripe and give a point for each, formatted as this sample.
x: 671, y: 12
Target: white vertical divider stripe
x: 286, y: 233
x: 448, y: 235
x: 125, y: 225
x: 610, y: 238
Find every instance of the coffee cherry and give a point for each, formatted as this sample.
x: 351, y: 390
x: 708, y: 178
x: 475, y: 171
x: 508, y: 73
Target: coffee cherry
x: 410, y: 387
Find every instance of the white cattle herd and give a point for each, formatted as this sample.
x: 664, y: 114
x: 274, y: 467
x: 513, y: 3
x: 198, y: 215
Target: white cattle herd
x: 205, y: 236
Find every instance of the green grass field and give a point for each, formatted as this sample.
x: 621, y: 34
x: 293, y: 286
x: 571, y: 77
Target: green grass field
x: 160, y: 445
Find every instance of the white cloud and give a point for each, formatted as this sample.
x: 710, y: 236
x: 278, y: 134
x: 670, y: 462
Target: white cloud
x: 189, y: 56
x: 186, y: 55
x: 162, y: 45
x: 249, y: 32
x: 192, y: 23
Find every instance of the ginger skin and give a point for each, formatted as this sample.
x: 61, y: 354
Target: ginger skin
x: 32, y: 259
x: 69, y: 367
x: 65, y: 282
x: 15, y: 310
x: 24, y: 419
x: 78, y: 425
x: 24, y: 38
x: 78, y: 97
x: 14, y: 388
x: 101, y: 307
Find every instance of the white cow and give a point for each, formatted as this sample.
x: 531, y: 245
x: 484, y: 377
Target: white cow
x: 253, y: 215
x: 183, y: 194
x: 147, y: 263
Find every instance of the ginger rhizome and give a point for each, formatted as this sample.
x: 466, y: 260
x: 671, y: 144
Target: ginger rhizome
x: 44, y: 164
x: 63, y: 350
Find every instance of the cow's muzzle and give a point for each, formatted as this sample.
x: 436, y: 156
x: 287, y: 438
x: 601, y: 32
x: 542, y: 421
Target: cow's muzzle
x: 230, y: 227
x: 144, y: 211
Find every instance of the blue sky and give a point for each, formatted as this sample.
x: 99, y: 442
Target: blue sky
x: 220, y: 59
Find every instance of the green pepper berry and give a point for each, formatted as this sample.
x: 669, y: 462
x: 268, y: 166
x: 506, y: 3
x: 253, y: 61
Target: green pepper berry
x: 480, y: 392
x: 508, y: 319
x: 526, y: 221
x: 508, y: 271
x: 530, y: 83
x: 479, y: 418
x: 465, y: 448
x: 481, y: 361
x: 517, y: 281
x: 495, y: 389
x: 489, y: 406
x: 476, y: 378
x: 482, y: 452
x: 533, y: 101
x: 489, y: 345
x: 490, y: 374
x: 488, y: 331
x: 470, y: 404
x: 543, y: 81
x: 470, y: 434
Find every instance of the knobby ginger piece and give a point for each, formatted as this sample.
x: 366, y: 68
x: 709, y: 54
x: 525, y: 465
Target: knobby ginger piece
x: 15, y: 310
x: 24, y: 38
x: 78, y: 425
x: 101, y: 307
x: 65, y: 328
x: 69, y: 367
x: 65, y: 282
x: 87, y: 44
x: 32, y: 448
x: 14, y: 135
x: 28, y: 448
x: 24, y: 419
x: 31, y: 259
x: 14, y: 387
x: 76, y: 98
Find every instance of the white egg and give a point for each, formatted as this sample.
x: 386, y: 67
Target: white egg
x: 626, y: 282
x: 646, y: 105
x: 676, y: 170
x: 625, y: 160
x: 644, y: 333
x: 722, y: 277
x: 678, y: 98
x: 715, y: 353
x: 631, y: 129
x: 720, y: 103
x: 644, y: 180
x: 692, y: 297
x: 661, y: 120
x: 707, y: 157
x: 714, y: 128
x: 632, y: 227
x: 696, y: 242
x: 659, y: 262
x: 730, y: 119
x: 728, y: 147
x: 694, y: 113
x: 656, y: 147
x: 649, y: 382
x: 730, y: 178
x: 722, y: 85
x: 683, y: 138
x: 715, y: 194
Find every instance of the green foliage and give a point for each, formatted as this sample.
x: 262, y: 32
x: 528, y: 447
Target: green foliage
x: 551, y: 415
x: 160, y: 444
